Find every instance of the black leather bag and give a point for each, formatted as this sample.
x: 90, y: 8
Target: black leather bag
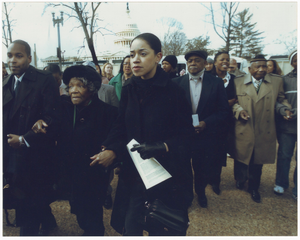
x: 161, y: 220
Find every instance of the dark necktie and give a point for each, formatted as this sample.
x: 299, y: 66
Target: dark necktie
x: 17, y: 87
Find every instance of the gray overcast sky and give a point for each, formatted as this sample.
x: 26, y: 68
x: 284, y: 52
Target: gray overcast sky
x: 273, y: 18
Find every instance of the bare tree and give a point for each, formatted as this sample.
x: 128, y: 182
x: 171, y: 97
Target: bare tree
x: 174, y: 39
x: 224, y: 29
x: 198, y: 43
x: 7, y: 24
x: 288, y: 40
x: 86, y: 14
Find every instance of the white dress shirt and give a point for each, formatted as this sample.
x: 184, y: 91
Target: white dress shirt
x: 18, y: 79
x: 195, y: 89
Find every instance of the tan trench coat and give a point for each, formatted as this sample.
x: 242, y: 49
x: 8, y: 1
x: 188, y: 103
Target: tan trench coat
x: 258, y: 134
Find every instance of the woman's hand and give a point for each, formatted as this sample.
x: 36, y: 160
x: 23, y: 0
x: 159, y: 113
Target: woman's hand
x: 40, y: 127
x: 149, y: 150
x: 104, y: 158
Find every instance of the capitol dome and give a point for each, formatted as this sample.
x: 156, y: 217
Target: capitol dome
x: 128, y: 32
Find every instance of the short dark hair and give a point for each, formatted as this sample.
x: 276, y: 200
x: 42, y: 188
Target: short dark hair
x: 214, y: 70
x: 151, y: 39
x: 53, y: 68
x: 122, y: 64
x: 25, y: 44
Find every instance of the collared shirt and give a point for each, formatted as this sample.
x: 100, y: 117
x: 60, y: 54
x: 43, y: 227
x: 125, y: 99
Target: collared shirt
x: 18, y: 79
x: 226, y: 79
x: 256, y: 83
x: 195, y: 89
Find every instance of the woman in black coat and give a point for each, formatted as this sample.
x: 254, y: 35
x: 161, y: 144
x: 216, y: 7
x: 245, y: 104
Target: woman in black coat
x: 154, y: 111
x: 85, y: 124
x: 225, y: 141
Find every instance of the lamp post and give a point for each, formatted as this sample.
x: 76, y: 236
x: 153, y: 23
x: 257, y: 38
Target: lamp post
x: 58, y: 21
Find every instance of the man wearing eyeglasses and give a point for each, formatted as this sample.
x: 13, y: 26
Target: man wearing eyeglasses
x: 208, y: 103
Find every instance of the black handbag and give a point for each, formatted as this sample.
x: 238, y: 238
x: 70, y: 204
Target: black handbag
x: 161, y: 220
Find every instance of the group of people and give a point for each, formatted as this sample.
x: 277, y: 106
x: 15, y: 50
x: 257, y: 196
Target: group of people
x: 63, y: 135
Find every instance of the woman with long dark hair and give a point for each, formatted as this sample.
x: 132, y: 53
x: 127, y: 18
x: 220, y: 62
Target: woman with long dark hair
x: 125, y: 73
x: 273, y: 67
x: 154, y: 111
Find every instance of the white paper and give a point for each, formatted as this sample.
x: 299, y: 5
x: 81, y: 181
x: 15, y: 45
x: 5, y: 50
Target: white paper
x: 150, y: 170
x: 195, y: 119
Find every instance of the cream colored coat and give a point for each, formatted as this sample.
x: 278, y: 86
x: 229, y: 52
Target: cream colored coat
x: 258, y: 134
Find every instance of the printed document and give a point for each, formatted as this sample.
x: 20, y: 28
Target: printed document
x: 150, y: 170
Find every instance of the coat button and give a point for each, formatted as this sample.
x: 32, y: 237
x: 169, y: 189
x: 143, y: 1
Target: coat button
x: 81, y: 120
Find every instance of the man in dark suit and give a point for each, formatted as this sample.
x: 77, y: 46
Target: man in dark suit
x: 207, y: 97
x: 28, y: 166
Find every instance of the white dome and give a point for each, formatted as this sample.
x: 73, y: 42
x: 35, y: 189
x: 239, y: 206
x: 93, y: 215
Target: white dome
x: 127, y: 33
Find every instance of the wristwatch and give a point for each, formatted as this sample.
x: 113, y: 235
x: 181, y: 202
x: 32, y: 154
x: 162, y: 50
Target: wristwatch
x: 21, y: 140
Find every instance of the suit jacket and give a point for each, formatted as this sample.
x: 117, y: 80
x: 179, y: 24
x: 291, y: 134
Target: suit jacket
x: 258, y: 134
x: 108, y: 95
x: 37, y: 98
x: 213, y: 106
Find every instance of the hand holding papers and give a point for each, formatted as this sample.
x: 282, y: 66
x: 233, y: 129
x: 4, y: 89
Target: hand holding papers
x: 195, y: 119
x: 150, y: 170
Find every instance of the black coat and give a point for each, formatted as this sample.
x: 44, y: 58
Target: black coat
x: 161, y: 114
x: 80, y: 140
x: 214, y: 110
x: 30, y: 169
x: 213, y: 106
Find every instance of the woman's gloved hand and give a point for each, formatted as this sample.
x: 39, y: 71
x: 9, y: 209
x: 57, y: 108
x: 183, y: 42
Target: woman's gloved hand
x: 149, y: 150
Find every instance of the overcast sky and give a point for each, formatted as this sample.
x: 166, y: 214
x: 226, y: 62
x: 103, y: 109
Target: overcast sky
x: 273, y: 18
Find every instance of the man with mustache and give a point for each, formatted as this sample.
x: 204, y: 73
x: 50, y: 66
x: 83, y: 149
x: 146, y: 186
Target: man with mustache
x: 208, y: 103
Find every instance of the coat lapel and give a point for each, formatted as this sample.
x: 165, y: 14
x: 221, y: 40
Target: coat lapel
x: 205, y: 92
x: 186, y: 87
x: 249, y: 88
x: 25, y: 88
x: 7, y: 94
x: 265, y: 88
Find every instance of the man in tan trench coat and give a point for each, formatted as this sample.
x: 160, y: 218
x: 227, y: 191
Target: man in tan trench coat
x: 255, y: 133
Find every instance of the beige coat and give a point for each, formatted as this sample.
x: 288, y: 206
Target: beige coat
x: 258, y: 134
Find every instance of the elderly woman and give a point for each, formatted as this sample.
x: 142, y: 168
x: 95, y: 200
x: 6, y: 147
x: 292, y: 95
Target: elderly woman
x: 86, y: 121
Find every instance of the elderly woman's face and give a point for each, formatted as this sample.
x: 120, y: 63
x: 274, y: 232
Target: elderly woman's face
x: 79, y: 93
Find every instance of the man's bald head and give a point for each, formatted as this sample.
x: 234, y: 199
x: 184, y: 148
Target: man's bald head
x: 232, y: 65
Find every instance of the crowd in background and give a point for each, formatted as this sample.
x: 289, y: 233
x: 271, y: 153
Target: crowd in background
x: 65, y: 133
